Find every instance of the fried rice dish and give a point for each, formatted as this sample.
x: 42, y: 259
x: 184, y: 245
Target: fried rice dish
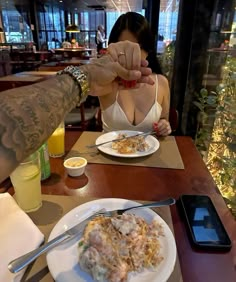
x: 130, y: 145
x: 112, y: 247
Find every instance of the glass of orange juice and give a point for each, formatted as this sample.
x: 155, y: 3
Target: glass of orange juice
x: 26, y: 180
x: 56, y: 142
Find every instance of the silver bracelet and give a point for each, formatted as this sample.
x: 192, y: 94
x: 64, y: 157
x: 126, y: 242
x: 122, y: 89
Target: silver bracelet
x: 80, y: 77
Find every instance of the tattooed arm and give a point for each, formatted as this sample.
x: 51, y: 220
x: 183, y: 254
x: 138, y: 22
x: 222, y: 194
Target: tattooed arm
x: 28, y: 115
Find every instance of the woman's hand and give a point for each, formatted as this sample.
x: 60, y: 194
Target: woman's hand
x: 128, y: 55
x: 162, y: 127
x: 122, y: 61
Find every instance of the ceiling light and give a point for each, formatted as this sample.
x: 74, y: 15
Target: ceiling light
x: 72, y: 28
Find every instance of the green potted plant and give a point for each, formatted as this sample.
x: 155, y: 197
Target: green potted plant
x: 216, y: 132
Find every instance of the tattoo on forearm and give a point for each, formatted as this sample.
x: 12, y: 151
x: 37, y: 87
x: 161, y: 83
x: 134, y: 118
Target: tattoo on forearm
x: 29, y: 114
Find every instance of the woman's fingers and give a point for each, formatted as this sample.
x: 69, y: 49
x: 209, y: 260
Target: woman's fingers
x: 136, y: 57
x: 126, y: 74
x: 127, y: 53
x: 145, y: 71
x: 155, y: 127
x: 162, y: 128
x: 144, y: 63
x: 165, y: 132
x: 146, y: 79
x: 143, y: 78
x: 112, y: 51
x: 122, y: 59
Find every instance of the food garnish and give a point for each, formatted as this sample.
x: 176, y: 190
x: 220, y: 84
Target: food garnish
x: 130, y: 145
x: 114, y: 247
x: 75, y: 163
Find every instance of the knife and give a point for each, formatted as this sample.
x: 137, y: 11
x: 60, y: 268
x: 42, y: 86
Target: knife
x: 123, y: 138
x: 21, y: 262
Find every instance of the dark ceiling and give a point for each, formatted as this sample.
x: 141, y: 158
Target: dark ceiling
x: 80, y: 5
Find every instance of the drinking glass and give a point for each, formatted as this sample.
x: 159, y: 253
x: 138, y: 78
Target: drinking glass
x: 26, y: 180
x: 56, y: 142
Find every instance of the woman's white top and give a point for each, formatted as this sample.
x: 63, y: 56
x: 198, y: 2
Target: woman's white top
x: 114, y: 118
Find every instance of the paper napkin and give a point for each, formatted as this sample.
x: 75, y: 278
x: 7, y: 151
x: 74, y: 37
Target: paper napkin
x: 18, y: 235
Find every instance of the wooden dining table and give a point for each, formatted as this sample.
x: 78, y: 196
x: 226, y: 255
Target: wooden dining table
x: 153, y: 184
x: 24, y: 79
x: 80, y: 52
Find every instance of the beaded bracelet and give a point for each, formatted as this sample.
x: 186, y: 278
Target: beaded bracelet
x: 80, y: 77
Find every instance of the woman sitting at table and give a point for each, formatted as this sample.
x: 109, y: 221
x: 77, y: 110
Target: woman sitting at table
x: 139, y: 109
x: 29, y: 114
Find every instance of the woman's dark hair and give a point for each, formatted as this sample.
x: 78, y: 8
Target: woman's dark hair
x: 139, y: 27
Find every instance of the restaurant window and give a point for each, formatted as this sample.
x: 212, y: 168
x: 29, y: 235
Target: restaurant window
x: 166, y: 38
x: 111, y: 18
x: 15, y: 27
x: 84, y: 21
x: 76, y: 19
x: 69, y: 18
x: 88, y: 22
x: 168, y: 18
x: 51, y: 26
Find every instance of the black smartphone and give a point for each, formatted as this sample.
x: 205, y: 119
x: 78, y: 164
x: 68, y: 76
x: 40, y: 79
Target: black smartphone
x: 205, y: 229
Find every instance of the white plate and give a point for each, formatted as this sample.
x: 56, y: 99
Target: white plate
x: 63, y: 260
x: 107, y: 149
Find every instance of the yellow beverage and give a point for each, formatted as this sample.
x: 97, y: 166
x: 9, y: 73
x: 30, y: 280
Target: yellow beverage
x: 56, y: 143
x: 26, y: 181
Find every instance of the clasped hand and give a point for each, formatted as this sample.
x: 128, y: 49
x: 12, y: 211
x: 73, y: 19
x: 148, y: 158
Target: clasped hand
x: 105, y: 71
x: 162, y: 127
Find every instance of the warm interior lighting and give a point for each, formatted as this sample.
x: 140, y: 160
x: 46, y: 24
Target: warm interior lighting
x: 221, y: 156
x: 72, y: 28
x: 226, y: 31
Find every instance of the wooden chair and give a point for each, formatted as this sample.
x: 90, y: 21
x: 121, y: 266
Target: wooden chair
x: 174, y: 119
x: 80, y: 118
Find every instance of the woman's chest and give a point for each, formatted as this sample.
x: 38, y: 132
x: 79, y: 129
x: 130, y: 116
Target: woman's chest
x: 137, y: 99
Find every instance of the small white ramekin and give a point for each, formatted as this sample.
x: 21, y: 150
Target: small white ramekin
x: 75, y: 170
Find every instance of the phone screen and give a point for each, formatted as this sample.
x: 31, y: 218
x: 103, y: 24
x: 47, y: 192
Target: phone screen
x: 203, y: 221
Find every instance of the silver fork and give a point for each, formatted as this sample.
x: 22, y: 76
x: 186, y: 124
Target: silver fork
x: 19, y: 263
x: 162, y: 203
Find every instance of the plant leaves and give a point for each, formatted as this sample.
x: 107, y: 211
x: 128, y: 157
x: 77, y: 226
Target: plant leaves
x: 198, y: 105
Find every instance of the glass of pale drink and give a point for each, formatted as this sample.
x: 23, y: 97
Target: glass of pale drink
x: 56, y: 142
x: 26, y: 180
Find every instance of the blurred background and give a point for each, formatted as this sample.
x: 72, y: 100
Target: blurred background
x: 195, y: 43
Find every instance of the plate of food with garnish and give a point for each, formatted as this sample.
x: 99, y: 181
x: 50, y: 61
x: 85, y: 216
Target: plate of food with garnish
x: 137, y: 246
x: 127, y: 143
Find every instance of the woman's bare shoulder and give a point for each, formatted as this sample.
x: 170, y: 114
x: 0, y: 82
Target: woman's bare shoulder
x: 163, y: 80
x: 163, y: 85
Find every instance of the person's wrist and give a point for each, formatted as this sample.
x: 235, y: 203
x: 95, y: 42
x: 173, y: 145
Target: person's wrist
x: 80, y: 76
